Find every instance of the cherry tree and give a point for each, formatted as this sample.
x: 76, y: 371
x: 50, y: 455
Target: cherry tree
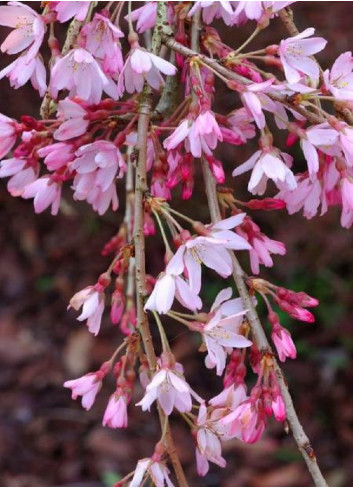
x: 139, y: 123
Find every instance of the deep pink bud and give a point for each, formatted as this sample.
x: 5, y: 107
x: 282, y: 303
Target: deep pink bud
x: 283, y: 343
x: 302, y: 314
x: 117, y: 306
x: 279, y: 408
x: 216, y: 168
x: 267, y: 204
x: 306, y: 301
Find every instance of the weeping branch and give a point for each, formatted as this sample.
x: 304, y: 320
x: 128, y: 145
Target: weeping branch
x: 257, y: 329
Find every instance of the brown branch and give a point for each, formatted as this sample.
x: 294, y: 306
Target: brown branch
x: 256, y: 326
x: 145, y: 108
x: 286, y: 16
x: 261, y: 340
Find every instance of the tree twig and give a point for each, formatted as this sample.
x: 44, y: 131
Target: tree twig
x: 256, y: 326
x: 145, y: 108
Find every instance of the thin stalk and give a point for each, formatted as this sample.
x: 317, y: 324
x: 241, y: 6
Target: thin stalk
x: 178, y: 318
x: 164, y: 236
x: 248, y: 41
x: 164, y: 339
x: 182, y: 216
x: 171, y: 219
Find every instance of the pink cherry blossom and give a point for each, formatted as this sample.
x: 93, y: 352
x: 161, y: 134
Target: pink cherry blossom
x: 87, y: 386
x: 100, y: 200
x: 68, y: 10
x: 101, y: 39
x: 252, y: 96
x: 21, y: 174
x: 339, y: 80
x: 170, y: 388
x: 167, y: 287
x: 239, y: 127
x: 170, y: 285
x: 74, y: 118
x: 81, y: 74
x: 145, y: 16
x: 214, y: 10
x: 312, y: 192
x: 29, y: 29
x: 345, y: 136
x: 262, y: 246
x: 295, y: 55
x: 347, y: 194
x: 230, y: 397
x: 115, y: 415
x: 311, y: 156
x: 256, y: 10
x: 46, y: 192
x: 204, y: 134
x: 92, y: 301
x: 220, y: 336
x: 100, y: 155
x: 142, y: 66
x: 246, y: 422
x: 222, y: 332
x: 212, y: 250
x: 323, y: 137
x: 308, y: 195
x: 208, y: 443
x: 156, y: 469
x: 201, y: 135
x: 57, y: 155
x: 23, y: 69
x: 98, y: 165
x: 274, y: 165
x: 8, y: 134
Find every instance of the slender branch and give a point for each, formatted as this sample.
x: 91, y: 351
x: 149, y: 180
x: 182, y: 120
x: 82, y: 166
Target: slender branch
x: 286, y: 16
x: 145, y: 108
x: 230, y: 75
x: 260, y: 338
x: 168, y: 101
x: 256, y: 327
x: 128, y: 221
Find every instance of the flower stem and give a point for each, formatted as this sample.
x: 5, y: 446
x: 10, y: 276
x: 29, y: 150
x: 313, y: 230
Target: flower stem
x: 177, y: 318
x: 165, y: 240
x: 248, y: 41
x: 164, y: 339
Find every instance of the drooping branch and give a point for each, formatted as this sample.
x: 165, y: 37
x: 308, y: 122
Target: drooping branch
x: 145, y: 108
x: 257, y: 329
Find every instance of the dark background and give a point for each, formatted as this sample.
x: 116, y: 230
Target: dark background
x: 47, y: 439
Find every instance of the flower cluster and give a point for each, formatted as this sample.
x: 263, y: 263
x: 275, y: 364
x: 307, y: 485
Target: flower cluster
x: 111, y: 116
